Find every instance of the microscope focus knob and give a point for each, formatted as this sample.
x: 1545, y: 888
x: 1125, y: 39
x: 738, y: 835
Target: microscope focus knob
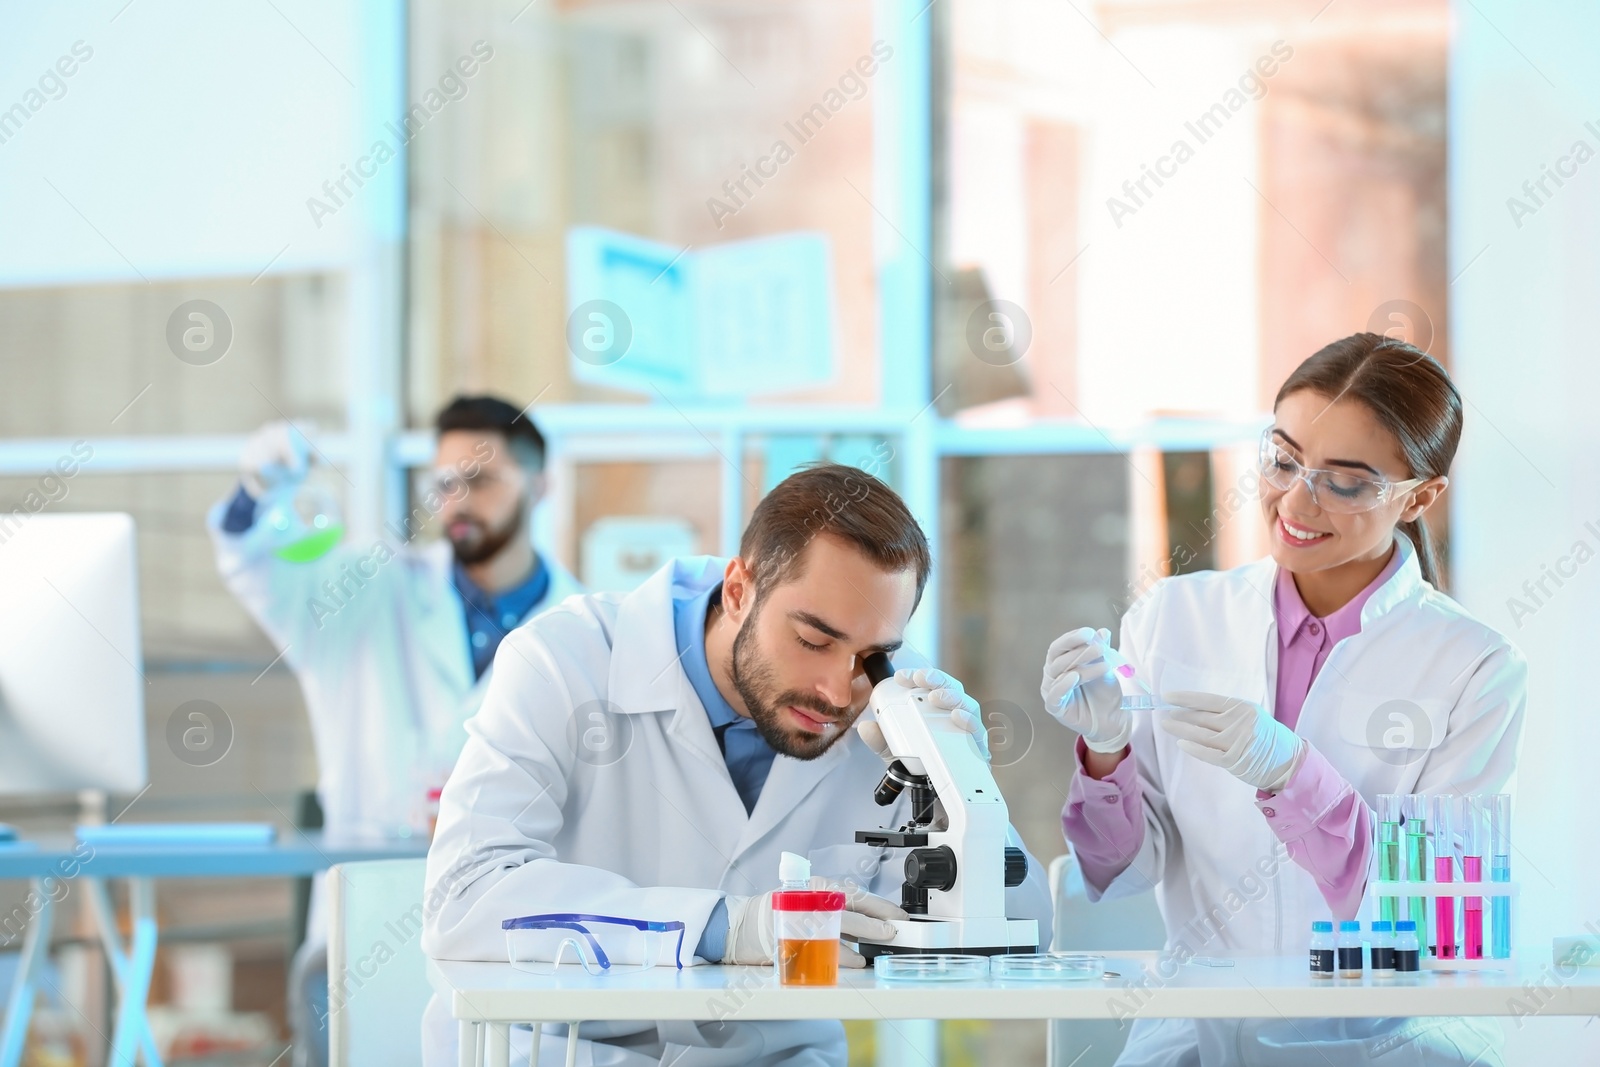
x: 1016, y: 866
x: 931, y: 868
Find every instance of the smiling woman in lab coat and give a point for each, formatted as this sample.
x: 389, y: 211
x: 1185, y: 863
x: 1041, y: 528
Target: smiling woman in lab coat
x: 1306, y: 684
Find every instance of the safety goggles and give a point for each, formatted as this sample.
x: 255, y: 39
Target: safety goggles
x: 601, y: 944
x: 1341, y: 492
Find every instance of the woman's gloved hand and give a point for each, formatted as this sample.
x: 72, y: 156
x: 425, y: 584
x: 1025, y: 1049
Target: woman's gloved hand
x: 1239, y: 736
x: 1081, y: 691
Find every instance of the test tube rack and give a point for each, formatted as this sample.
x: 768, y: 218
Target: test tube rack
x: 1432, y: 890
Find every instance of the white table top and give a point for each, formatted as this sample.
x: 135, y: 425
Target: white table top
x: 1255, y: 987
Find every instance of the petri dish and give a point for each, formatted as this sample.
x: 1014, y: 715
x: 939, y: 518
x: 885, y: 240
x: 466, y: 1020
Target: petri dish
x: 931, y: 967
x: 1047, y: 967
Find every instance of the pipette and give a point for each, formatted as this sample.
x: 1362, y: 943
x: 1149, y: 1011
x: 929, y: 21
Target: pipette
x: 1139, y: 698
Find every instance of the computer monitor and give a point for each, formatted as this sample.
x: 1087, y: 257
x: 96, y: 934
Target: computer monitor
x: 71, y: 668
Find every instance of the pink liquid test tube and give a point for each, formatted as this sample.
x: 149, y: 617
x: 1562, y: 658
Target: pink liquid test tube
x: 1440, y: 825
x: 1474, y: 832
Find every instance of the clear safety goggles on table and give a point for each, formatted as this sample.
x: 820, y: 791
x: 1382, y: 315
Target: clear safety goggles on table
x: 602, y: 944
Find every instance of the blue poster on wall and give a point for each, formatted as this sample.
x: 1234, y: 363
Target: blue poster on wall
x: 723, y: 323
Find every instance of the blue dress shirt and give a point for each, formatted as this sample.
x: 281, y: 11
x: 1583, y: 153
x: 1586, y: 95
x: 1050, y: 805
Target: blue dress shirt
x: 490, y: 616
x: 746, y: 753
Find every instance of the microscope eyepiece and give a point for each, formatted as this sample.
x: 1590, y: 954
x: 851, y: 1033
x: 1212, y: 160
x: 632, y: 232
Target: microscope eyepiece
x: 877, y: 667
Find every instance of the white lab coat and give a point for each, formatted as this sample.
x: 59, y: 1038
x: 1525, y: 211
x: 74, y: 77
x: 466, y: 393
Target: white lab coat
x: 1222, y: 880
x: 653, y: 828
x: 387, y: 676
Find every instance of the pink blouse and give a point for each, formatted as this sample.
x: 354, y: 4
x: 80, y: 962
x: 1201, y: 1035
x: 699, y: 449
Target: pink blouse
x: 1319, y: 816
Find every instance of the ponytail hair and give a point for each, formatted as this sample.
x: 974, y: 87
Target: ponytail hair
x: 1409, y: 393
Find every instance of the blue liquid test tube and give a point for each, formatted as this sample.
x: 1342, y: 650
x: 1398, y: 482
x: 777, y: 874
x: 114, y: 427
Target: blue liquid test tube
x: 1500, y: 871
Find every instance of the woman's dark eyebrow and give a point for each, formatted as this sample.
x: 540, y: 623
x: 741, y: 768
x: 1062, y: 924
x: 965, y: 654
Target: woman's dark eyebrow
x: 834, y: 632
x: 1354, y: 464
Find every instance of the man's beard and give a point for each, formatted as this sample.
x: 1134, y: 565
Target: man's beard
x: 752, y: 678
x: 491, y: 540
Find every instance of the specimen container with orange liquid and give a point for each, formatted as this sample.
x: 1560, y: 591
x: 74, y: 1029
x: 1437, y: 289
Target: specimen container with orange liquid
x: 806, y: 925
x: 808, y: 935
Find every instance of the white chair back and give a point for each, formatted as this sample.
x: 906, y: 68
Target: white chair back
x: 377, y: 974
x: 1124, y: 925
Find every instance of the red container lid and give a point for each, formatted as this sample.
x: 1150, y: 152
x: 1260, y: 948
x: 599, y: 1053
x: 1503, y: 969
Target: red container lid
x: 808, y: 900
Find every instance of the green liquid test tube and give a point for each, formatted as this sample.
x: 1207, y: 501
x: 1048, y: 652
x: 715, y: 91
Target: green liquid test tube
x: 1389, y: 869
x: 1414, y: 823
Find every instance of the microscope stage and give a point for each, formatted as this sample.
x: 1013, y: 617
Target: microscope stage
x: 947, y: 935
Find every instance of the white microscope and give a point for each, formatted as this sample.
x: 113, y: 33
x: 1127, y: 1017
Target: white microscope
x: 959, y: 866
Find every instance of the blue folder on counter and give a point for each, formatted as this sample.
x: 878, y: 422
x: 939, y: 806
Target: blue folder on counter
x: 213, y: 834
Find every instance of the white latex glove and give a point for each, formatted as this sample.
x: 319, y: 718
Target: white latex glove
x: 1081, y: 690
x: 275, y: 455
x: 1236, y: 735
x: 865, y: 916
x: 752, y: 938
x: 944, y: 693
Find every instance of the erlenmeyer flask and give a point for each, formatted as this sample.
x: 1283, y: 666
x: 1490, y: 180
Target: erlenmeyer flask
x: 305, y: 517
